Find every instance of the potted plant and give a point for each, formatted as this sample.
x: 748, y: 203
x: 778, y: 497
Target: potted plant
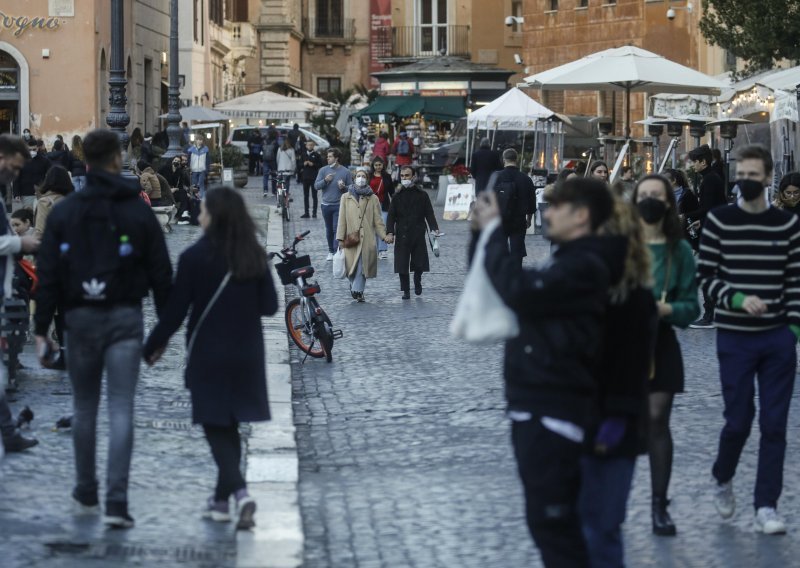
x: 232, y: 157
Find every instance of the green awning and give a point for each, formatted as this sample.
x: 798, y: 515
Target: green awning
x: 437, y: 108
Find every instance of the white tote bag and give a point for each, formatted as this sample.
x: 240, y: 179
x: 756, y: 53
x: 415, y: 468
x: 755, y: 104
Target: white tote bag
x: 339, y: 269
x: 481, y: 315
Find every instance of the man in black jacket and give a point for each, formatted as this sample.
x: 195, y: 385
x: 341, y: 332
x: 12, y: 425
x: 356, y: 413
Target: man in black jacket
x: 516, y: 196
x: 711, y: 194
x: 103, y: 251
x: 311, y: 163
x: 549, y: 367
x: 31, y: 176
x: 483, y: 164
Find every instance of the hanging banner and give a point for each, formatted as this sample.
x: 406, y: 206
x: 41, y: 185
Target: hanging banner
x: 380, y: 36
x: 785, y: 107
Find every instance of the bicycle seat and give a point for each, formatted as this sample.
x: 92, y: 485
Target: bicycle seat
x: 305, y: 272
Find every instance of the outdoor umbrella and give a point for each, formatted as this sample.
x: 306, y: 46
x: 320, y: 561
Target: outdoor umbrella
x: 199, y: 114
x: 628, y: 69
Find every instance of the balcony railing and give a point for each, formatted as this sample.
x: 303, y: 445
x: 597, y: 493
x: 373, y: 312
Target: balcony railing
x: 414, y: 42
x: 343, y: 30
x: 243, y: 35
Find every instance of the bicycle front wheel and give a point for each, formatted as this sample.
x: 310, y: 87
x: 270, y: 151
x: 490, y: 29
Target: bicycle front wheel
x: 302, y: 331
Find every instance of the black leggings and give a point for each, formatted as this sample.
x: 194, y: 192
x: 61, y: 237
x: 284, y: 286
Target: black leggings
x: 660, y: 442
x: 226, y: 447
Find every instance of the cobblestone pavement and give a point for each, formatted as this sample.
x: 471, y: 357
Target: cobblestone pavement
x: 404, y: 449
x: 171, y: 477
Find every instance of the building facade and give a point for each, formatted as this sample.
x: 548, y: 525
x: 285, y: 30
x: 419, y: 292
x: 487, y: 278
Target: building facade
x: 560, y: 31
x: 55, y: 59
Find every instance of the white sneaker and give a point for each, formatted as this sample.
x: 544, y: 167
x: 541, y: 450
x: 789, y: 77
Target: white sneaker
x: 329, y: 258
x: 724, y: 499
x: 768, y: 521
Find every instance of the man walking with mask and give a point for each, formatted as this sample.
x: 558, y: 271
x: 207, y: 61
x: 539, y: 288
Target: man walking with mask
x: 749, y: 266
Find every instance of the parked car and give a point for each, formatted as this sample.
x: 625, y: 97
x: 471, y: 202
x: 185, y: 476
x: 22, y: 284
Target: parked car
x: 239, y: 135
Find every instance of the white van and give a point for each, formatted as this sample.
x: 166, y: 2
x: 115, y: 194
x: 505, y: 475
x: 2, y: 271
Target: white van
x: 239, y: 135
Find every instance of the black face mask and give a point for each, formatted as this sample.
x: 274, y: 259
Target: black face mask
x: 750, y: 189
x: 652, y: 210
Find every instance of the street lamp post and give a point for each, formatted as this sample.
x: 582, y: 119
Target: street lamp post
x: 118, y: 118
x: 174, y: 115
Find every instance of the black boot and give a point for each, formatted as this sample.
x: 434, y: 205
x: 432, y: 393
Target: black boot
x: 405, y: 286
x: 418, y: 283
x: 662, y: 522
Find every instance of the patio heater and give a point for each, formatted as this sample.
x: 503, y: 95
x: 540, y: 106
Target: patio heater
x: 605, y: 127
x: 728, y: 128
x: 697, y: 128
x: 654, y: 129
x: 674, y: 131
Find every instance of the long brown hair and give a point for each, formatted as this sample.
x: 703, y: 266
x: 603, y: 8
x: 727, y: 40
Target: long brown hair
x: 233, y: 234
x: 77, y: 147
x: 624, y: 221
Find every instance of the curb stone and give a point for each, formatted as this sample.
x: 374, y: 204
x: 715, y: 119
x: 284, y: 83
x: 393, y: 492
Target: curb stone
x: 271, y: 454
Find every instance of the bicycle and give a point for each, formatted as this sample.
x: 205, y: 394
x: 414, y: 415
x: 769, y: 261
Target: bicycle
x: 283, y: 193
x: 309, y: 326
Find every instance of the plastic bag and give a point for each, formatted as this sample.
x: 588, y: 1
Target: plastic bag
x: 481, y: 316
x: 339, y: 269
x: 434, y: 242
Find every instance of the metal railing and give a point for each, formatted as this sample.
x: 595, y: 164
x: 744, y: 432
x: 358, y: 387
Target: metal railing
x: 342, y: 29
x: 243, y: 35
x: 402, y: 42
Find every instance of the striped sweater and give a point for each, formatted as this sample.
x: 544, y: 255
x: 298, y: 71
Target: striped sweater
x: 744, y: 254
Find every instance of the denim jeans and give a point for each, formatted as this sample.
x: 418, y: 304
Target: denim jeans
x: 358, y: 282
x: 769, y: 357
x: 267, y: 170
x: 101, y: 339
x: 330, y: 213
x: 79, y: 182
x: 605, y: 486
x: 199, y: 179
x: 382, y: 246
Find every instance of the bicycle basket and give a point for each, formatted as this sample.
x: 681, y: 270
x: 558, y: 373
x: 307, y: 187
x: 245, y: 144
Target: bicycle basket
x: 285, y: 268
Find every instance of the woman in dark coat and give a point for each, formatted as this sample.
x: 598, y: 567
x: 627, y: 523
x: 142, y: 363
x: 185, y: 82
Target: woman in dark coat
x: 406, y: 225
x: 225, y: 280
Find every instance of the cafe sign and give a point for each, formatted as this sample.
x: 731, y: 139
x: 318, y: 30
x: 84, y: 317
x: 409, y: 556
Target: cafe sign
x: 17, y: 25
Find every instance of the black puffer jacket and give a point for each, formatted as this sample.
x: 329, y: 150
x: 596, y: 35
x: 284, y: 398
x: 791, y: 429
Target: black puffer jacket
x: 146, y: 267
x: 549, y: 366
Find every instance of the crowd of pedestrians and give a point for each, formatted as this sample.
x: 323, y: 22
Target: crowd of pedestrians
x: 592, y: 373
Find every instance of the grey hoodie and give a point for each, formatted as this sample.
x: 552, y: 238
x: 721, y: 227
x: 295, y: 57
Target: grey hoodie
x: 331, y: 194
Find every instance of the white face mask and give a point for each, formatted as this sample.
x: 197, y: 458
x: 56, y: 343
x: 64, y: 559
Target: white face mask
x: 361, y: 181
x: 406, y: 182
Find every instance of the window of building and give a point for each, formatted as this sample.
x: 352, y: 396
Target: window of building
x: 583, y: 3
x: 553, y: 5
x: 432, y: 21
x: 730, y: 61
x: 328, y: 85
x: 216, y: 12
x: 516, y: 11
x: 236, y: 10
x: 330, y: 18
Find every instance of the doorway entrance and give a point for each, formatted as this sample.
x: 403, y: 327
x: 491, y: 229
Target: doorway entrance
x: 9, y: 94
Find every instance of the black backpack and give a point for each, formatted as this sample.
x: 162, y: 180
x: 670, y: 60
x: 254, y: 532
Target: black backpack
x: 507, y: 199
x: 269, y: 151
x: 96, y: 256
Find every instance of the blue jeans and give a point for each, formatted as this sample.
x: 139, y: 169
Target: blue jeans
x: 769, y: 357
x: 101, y: 339
x: 79, y: 182
x: 199, y: 179
x: 605, y: 486
x: 266, y: 186
x: 358, y: 282
x: 330, y: 213
x: 382, y: 246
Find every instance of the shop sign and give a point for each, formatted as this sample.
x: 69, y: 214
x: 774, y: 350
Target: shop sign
x: 17, y: 25
x: 444, y: 93
x: 380, y: 13
x: 61, y: 8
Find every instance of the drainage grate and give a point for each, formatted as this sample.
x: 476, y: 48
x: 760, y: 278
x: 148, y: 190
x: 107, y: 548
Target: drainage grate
x: 222, y: 555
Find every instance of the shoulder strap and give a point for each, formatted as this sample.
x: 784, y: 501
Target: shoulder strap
x: 202, y: 317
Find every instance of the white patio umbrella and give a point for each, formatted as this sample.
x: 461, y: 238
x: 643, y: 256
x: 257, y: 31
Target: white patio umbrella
x: 199, y: 114
x: 628, y: 69
x: 267, y: 105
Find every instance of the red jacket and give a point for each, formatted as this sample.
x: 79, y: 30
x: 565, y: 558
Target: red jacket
x: 381, y: 148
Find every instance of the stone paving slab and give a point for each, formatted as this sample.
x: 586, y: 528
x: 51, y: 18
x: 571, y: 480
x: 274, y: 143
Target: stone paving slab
x: 405, y: 456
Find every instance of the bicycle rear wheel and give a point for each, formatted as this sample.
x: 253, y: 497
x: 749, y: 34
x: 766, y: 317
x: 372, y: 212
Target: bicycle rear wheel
x: 302, y: 332
x: 325, y: 335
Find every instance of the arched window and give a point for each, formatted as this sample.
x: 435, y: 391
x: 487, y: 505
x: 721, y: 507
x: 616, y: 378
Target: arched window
x: 9, y: 94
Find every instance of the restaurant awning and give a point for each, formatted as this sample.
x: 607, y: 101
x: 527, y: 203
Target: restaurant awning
x: 437, y: 108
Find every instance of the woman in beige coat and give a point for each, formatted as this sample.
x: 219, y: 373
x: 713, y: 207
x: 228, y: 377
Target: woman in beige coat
x: 360, y: 214
x: 54, y: 188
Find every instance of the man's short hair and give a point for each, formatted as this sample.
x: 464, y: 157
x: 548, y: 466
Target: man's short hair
x: 335, y: 151
x: 510, y: 155
x: 12, y: 145
x: 485, y: 143
x: 101, y: 147
x: 757, y: 152
x: 701, y: 153
x: 585, y: 192
x: 58, y: 145
x: 407, y: 169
